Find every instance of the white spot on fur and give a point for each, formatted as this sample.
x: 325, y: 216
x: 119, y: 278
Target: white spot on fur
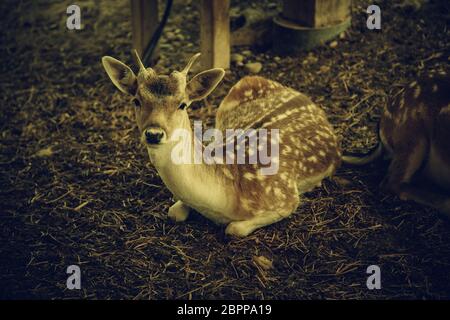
x: 249, y: 176
x: 246, y: 204
x: 227, y: 173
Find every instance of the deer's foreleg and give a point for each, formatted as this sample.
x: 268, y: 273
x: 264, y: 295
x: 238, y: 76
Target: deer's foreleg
x: 179, y: 212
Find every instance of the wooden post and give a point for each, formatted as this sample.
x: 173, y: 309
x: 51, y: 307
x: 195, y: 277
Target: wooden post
x: 316, y: 13
x: 305, y: 24
x: 215, y: 33
x: 144, y: 21
x: 300, y: 11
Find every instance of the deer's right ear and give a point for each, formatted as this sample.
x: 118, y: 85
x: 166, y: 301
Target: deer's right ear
x: 120, y: 74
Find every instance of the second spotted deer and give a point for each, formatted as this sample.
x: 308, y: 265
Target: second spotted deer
x: 235, y: 194
x: 414, y: 133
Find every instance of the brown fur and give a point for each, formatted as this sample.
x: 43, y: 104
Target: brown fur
x: 416, y: 121
x: 308, y: 145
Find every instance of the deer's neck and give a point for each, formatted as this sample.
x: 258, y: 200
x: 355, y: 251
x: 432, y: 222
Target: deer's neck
x: 196, y: 184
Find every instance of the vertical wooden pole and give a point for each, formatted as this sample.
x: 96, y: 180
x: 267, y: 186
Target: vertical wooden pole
x: 144, y: 21
x: 215, y: 33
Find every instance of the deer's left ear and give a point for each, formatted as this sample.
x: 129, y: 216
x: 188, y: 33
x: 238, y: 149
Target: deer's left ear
x: 204, y: 83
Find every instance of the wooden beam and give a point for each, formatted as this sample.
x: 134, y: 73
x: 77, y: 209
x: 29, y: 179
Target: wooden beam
x: 316, y: 13
x: 144, y: 21
x: 330, y: 12
x: 305, y: 24
x: 299, y: 11
x: 215, y: 33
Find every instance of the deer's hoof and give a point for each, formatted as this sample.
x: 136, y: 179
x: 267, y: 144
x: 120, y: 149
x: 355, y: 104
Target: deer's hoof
x: 179, y: 212
x: 238, y: 229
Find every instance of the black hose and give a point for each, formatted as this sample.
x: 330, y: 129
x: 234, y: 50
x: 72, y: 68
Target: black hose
x: 157, y: 34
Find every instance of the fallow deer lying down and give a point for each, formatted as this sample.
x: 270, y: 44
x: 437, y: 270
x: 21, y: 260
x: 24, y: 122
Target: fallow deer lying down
x: 235, y: 194
x: 414, y: 132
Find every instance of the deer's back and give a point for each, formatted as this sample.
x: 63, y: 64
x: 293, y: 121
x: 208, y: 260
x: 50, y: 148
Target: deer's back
x: 420, y: 110
x: 308, y: 147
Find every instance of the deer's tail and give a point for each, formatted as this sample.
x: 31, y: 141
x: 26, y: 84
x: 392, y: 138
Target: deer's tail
x: 361, y: 159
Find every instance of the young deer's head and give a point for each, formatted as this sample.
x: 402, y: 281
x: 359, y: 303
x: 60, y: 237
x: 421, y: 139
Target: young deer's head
x: 161, y: 100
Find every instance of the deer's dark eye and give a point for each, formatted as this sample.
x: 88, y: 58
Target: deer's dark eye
x: 182, y: 106
x: 137, y: 103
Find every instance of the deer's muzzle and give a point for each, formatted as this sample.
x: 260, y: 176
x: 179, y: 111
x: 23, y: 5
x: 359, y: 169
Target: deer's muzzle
x: 154, y: 135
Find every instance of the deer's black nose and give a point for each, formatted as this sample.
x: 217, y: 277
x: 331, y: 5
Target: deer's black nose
x: 154, y: 135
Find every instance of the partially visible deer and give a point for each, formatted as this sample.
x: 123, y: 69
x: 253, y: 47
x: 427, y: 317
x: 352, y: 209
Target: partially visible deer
x: 234, y: 194
x: 414, y: 132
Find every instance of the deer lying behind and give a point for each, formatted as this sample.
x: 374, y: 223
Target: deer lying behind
x: 234, y: 194
x: 415, y: 133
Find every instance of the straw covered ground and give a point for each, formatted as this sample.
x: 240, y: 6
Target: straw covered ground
x: 77, y: 187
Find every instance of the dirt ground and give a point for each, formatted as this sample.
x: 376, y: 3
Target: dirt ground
x: 78, y: 188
